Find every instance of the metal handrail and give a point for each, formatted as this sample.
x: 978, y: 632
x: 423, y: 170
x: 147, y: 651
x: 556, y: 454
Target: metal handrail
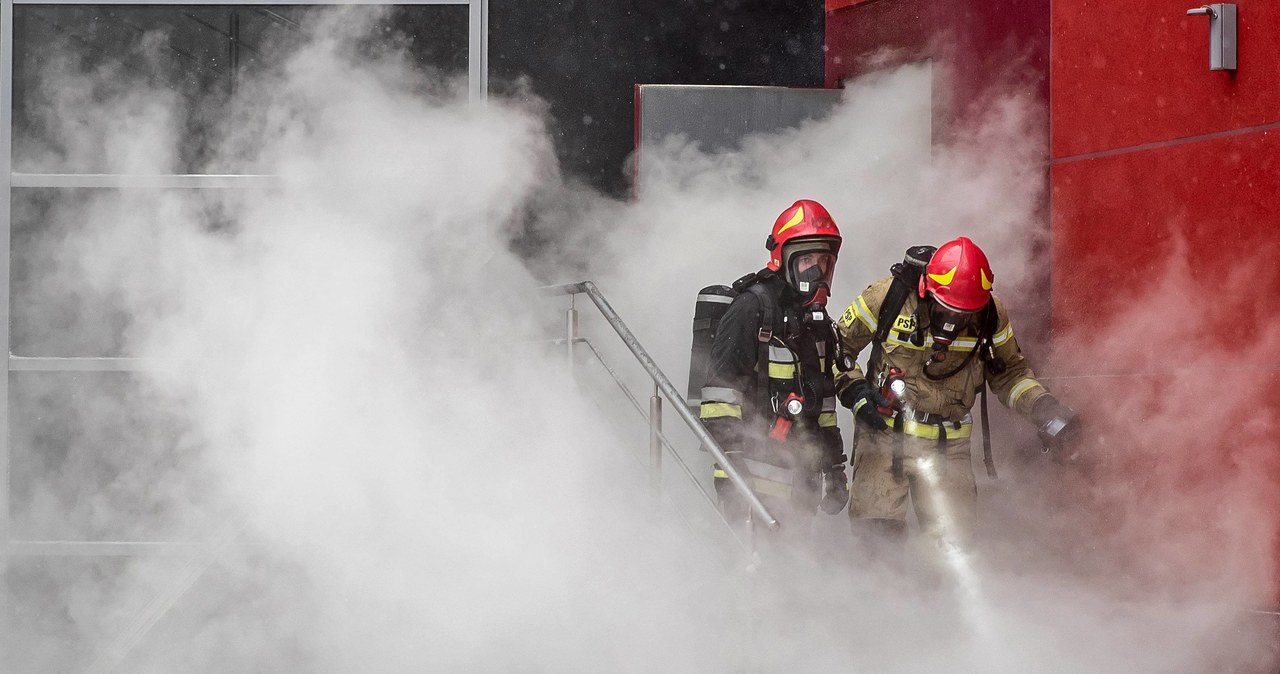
x: 664, y: 385
x: 671, y: 448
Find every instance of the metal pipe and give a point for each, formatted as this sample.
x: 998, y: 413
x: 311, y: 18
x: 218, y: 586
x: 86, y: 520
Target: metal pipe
x: 6, y: 230
x: 655, y: 441
x: 673, y: 396
x: 571, y: 336
x: 478, y: 50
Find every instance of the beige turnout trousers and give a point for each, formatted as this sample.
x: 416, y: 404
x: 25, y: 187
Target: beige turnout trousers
x: 940, y: 483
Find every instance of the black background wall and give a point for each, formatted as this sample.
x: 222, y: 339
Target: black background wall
x: 582, y: 57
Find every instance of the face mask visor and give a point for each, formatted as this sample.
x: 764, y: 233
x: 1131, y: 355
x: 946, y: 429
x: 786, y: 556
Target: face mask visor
x: 947, y: 322
x: 809, y: 272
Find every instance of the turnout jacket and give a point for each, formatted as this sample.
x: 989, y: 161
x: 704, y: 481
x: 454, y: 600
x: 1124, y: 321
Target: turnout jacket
x: 739, y: 412
x: 952, y: 397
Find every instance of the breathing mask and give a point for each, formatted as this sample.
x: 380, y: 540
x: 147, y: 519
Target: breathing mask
x: 809, y: 267
x: 945, y: 325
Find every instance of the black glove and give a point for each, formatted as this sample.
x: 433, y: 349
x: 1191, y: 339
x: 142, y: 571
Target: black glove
x: 1058, y: 425
x: 862, y: 399
x: 835, y: 490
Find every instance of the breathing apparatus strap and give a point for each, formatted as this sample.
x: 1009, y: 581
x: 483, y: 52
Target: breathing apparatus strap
x: 899, y: 440
x: 896, y: 296
x: 986, y: 437
x: 996, y: 365
x: 768, y: 319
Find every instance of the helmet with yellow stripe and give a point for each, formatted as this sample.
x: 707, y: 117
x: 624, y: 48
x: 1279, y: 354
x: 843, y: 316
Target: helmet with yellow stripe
x: 803, y: 246
x: 958, y: 276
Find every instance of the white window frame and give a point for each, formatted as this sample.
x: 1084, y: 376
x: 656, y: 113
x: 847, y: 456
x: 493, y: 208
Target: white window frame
x: 478, y: 84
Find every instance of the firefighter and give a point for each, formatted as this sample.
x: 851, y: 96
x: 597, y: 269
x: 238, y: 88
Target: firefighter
x: 938, y: 336
x: 770, y: 394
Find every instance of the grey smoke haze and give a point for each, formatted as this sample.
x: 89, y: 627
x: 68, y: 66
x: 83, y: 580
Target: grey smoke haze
x: 337, y: 397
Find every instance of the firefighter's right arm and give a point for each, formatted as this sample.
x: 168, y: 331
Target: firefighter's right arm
x: 855, y: 329
x: 731, y: 371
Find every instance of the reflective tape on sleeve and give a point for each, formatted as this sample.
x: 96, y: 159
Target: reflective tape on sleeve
x: 829, y: 404
x: 718, y: 299
x: 864, y: 314
x: 719, y: 411
x: 721, y: 394
x: 826, y: 419
x: 1020, y: 389
x: 1003, y: 336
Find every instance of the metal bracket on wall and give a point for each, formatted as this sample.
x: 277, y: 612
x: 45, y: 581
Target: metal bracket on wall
x: 1222, y: 34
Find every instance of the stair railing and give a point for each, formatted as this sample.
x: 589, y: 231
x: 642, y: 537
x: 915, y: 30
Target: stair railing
x: 662, y: 388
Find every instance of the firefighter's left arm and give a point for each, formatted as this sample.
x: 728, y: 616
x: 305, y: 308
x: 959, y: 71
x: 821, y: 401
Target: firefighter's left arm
x: 1016, y: 386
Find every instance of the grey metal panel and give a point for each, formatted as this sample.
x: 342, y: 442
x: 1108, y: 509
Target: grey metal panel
x: 76, y: 364
x: 719, y: 117
x: 145, y: 181
x: 6, y: 168
x: 104, y: 548
x: 258, y: 3
x: 478, y: 51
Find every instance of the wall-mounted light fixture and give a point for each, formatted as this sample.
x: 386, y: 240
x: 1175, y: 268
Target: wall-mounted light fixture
x: 1222, y: 34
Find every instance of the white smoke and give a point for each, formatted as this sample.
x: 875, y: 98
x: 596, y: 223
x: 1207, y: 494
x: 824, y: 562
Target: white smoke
x: 390, y: 478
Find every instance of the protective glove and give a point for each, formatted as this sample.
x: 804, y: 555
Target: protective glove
x: 835, y: 489
x: 862, y: 400
x: 1059, y: 427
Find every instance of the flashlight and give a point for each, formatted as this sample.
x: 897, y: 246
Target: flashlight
x: 787, y: 413
x: 895, y: 385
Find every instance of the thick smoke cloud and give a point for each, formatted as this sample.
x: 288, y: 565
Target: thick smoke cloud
x: 387, y: 474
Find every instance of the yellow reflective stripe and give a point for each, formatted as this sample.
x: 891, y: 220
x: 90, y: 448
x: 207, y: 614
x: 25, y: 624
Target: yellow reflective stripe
x: 902, y: 342
x: 719, y: 410
x: 1003, y: 336
x: 958, y: 345
x: 826, y: 419
x: 1020, y: 389
x: 782, y: 370
x: 864, y: 314
x: 930, y: 431
x: 719, y: 472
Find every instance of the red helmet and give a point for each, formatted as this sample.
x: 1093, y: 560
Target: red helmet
x: 804, y: 245
x: 958, y: 276
x: 803, y: 219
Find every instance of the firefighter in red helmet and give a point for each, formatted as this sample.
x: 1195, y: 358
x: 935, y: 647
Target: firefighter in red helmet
x: 769, y: 398
x: 938, y: 336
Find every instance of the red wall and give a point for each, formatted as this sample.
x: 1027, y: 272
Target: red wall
x: 1165, y: 177
x: 978, y: 41
x: 1164, y: 206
